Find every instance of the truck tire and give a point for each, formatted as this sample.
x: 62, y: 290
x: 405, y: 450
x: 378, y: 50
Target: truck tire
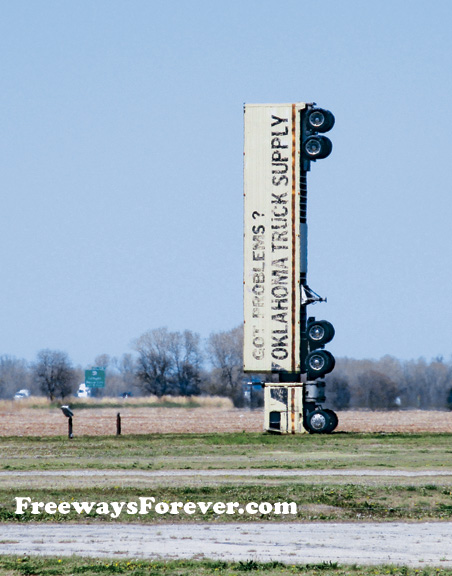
x: 319, y: 363
x: 318, y: 422
x: 320, y: 120
x: 334, y: 420
x: 317, y: 147
x: 320, y: 332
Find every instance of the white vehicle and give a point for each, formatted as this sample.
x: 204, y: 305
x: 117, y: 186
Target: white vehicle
x: 83, y: 391
x: 23, y: 393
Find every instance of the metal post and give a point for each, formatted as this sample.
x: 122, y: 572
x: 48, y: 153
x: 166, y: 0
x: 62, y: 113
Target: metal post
x: 303, y: 261
x: 69, y: 434
x: 118, y: 424
x: 304, y: 167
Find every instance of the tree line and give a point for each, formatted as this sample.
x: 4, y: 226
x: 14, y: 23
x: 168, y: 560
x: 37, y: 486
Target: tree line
x: 162, y: 363
x: 390, y: 384
x: 177, y: 363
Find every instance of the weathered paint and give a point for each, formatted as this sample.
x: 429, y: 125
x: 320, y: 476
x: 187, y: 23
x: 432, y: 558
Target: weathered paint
x: 283, y: 408
x: 272, y: 238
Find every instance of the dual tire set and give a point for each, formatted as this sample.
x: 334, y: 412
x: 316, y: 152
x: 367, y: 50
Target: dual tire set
x: 321, y: 421
x: 316, y: 146
x: 318, y: 362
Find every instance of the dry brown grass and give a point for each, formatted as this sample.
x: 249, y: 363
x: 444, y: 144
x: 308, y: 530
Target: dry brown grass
x: 108, y: 401
x: 216, y: 415
x: 37, y: 417
x: 396, y: 421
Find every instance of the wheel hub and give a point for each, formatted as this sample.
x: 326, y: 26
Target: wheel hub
x: 318, y: 421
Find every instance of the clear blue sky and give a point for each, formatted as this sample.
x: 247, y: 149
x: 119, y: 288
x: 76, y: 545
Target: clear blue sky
x: 121, y: 167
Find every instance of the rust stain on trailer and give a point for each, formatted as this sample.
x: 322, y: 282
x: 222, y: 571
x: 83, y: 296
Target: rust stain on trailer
x: 292, y: 409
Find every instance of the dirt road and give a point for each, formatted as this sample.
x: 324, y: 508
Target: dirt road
x: 146, y: 479
x: 256, y: 472
x: 419, y: 544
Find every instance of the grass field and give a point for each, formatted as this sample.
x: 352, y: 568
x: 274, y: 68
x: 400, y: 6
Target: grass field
x: 324, y: 502
x: 229, y: 451
x: 13, y: 565
x: 324, y: 498
x: 320, y: 499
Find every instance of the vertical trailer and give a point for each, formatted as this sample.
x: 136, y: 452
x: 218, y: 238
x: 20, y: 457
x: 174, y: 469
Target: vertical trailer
x: 272, y: 239
x: 280, y: 142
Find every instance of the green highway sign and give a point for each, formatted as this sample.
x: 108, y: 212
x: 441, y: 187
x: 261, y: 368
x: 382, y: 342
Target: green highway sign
x: 95, y: 378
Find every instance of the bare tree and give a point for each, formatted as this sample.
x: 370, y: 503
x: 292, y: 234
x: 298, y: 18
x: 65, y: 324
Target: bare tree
x: 338, y: 391
x: 440, y: 379
x: 54, y: 374
x: 14, y: 375
x: 120, y: 374
x: 168, y: 362
x: 225, y: 350
x: 102, y: 361
x: 126, y: 367
x: 186, y: 362
x: 154, y: 362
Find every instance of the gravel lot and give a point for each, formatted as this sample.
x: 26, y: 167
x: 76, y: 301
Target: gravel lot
x: 410, y: 544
